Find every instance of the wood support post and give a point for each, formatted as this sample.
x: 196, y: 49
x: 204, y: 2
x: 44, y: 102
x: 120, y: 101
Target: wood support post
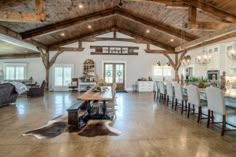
x: 176, y: 65
x: 114, y: 34
x: 47, y: 62
x: 38, y: 15
x: 148, y: 46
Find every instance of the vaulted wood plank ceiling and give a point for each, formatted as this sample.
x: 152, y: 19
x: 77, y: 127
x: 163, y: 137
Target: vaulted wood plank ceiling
x: 164, y: 19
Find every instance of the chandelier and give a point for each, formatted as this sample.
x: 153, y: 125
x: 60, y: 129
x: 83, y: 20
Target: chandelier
x: 204, y: 58
x: 186, y: 60
x: 231, y: 53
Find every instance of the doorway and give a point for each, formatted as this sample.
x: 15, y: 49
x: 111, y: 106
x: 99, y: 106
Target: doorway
x: 115, y: 73
x: 62, y: 75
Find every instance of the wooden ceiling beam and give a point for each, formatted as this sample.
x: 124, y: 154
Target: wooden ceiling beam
x: 38, y: 16
x: 15, y: 35
x: 227, y: 17
x: 23, y: 55
x: 9, y: 32
x: 107, y: 30
x: 158, y: 25
x: 210, y: 26
x: 75, y: 39
x: 67, y: 49
x: 192, y: 15
x: 10, y: 3
x: 151, y: 41
x: 39, y: 6
x: 37, y: 44
x: 64, y: 24
x: 194, y: 24
x: 97, y: 15
x: 168, y: 3
x: 159, y: 51
x: 216, y: 36
x: 114, y: 39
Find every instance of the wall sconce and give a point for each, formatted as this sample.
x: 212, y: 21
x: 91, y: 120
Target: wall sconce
x: 186, y: 60
x: 159, y: 63
x: 168, y: 63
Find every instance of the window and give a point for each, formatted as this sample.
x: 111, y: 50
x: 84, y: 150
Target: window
x: 162, y: 71
x: 166, y: 72
x: 157, y: 71
x: 62, y: 75
x: 15, y: 71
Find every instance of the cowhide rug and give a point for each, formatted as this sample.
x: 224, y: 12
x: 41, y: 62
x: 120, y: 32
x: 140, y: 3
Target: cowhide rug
x: 52, y: 129
x: 98, y: 128
x: 59, y: 125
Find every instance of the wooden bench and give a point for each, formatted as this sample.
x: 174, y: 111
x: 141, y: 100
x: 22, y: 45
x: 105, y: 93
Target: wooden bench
x: 73, y: 114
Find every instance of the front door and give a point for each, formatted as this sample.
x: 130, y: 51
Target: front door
x: 115, y: 73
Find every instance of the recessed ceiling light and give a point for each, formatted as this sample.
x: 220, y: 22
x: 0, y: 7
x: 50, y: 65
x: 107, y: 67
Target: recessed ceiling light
x: 89, y: 26
x: 147, y: 31
x: 81, y: 6
x: 62, y: 34
x: 172, y: 40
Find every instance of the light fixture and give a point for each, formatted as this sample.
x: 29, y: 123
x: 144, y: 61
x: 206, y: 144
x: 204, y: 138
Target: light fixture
x: 89, y: 26
x: 168, y: 63
x: 186, y: 60
x: 81, y: 6
x: 204, y: 58
x: 62, y: 34
x: 121, y: 3
x: 231, y: 52
x: 26, y: 51
x: 159, y: 63
x: 172, y: 40
x: 147, y: 31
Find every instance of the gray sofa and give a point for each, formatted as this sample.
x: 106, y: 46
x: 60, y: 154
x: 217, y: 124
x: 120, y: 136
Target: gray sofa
x: 8, y: 94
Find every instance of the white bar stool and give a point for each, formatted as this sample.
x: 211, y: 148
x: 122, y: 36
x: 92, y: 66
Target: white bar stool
x: 216, y: 103
x: 194, y: 99
x: 170, y: 93
x: 179, y: 96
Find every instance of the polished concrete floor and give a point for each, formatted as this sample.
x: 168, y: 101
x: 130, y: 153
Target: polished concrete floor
x: 148, y: 129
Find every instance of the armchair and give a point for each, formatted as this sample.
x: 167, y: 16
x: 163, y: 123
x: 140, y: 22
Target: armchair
x: 74, y: 84
x: 37, y: 91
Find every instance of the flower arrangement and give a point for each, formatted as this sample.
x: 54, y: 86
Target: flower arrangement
x: 201, y: 82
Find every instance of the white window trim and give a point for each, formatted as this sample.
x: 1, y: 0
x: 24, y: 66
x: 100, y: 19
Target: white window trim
x: 61, y: 88
x: 25, y: 65
x: 162, y: 71
x: 112, y: 61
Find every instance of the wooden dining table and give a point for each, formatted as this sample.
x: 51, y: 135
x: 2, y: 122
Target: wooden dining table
x: 90, y: 96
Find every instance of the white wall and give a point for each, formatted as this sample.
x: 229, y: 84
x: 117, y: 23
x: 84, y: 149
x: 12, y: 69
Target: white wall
x: 222, y: 62
x: 136, y: 66
x: 35, y: 67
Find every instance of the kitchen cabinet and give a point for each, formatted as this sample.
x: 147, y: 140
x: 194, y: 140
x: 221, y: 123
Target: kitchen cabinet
x: 145, y: 86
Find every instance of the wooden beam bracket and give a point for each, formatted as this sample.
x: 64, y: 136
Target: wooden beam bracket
x: 37, y: 16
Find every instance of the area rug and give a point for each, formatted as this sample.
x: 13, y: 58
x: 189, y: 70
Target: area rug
x: 59, y: 125
x: 52, y: 129
x: 98, y: 128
